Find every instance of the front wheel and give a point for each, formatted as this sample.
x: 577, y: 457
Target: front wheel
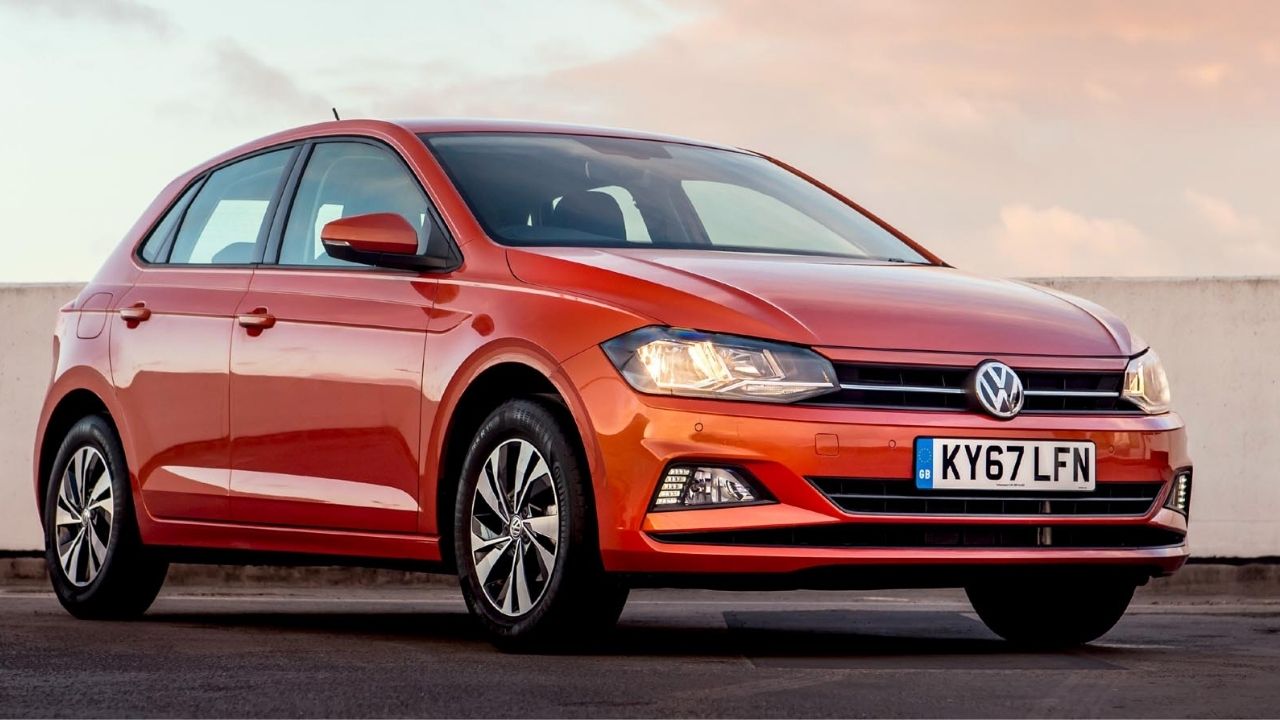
x: 97, y: 563
x: 525, y: 534
x: 1051, y: 612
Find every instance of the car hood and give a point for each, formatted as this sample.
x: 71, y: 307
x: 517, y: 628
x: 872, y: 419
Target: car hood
x: 834, y: 302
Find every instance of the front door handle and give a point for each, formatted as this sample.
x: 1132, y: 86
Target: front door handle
x: 136, y: 313
x: 258, y: 319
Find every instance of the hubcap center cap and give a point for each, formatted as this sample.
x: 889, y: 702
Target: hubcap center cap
x: 517, y: 527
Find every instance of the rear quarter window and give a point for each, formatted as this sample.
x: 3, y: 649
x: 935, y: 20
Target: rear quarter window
x: 154, y: 248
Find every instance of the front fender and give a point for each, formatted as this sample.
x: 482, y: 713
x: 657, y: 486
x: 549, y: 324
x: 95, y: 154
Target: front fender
x: 439, y: 412
x: 482, y: 322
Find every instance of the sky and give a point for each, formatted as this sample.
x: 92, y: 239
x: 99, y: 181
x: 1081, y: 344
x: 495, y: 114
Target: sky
x: 1012, y: 138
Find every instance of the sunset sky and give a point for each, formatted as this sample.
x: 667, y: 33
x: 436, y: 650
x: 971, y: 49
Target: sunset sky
x: 1016, y: 138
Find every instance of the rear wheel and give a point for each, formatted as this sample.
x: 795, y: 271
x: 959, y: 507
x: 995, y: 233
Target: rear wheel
x: 1051, y: 612
x: 97, y: 564
x: 525, y: 534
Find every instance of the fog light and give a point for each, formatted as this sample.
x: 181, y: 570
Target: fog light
x: 690, y: 486
x: 1180, y: 494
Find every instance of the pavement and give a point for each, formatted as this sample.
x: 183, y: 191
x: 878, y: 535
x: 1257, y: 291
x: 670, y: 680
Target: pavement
x: 412, y: 650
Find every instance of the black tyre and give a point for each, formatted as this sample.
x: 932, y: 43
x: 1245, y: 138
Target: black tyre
x: 97, y: 564
x: 525, y: 534
x: 1051, y: 612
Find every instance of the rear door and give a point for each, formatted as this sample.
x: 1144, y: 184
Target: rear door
x: 326, y: 370
x: 169, y: 356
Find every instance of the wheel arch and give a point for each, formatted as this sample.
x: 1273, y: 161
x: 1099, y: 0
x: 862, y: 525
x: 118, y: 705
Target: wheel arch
x: 492, y: 381
x: 73, y: 406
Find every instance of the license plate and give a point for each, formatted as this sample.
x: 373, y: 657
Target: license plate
x: 960, y: 464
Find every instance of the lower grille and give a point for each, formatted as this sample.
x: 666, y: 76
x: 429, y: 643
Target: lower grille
x: 855, y: 535
x: 901, y: 497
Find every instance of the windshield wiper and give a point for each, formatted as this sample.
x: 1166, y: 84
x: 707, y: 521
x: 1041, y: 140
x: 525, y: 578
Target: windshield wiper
x: 898, y: 260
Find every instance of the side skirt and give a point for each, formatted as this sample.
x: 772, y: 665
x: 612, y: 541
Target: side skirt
x: 191, y: 541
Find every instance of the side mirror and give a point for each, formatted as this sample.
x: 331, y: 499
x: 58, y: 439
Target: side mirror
x: 378, y: 239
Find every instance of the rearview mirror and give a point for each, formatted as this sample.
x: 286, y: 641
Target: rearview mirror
x: 378, y: 239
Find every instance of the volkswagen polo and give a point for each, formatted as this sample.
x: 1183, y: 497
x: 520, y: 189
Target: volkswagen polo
x: 562, y: 362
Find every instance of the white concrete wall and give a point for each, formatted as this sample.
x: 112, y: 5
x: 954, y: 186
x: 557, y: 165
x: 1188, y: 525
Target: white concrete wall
x: 1220, y: 342
x: 1219, y: 339
x: 27, y: 314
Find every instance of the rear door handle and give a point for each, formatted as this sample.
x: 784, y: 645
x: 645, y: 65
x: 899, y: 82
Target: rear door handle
x: 258, y: 319
x: 136, y: 313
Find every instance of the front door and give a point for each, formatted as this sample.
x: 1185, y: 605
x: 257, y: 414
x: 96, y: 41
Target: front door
x: 327, y: 360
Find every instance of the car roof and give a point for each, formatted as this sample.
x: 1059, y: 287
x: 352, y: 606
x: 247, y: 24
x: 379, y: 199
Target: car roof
x: 363, y: 126
x: 359, y: 126
x: 482, y: 125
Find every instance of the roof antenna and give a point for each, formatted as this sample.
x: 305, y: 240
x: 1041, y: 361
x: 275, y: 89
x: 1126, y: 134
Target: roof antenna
x: 335, y: 113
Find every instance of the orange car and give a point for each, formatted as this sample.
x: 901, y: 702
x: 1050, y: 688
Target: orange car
x: 564, y: 362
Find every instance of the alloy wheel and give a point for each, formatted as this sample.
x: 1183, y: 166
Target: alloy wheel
x: 82, y: 519
x: 515, y: 527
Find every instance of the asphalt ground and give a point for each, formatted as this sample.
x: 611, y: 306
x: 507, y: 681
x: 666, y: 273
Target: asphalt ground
x: 414, y: 651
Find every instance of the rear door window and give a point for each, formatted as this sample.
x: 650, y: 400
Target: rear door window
x: 228, y: 217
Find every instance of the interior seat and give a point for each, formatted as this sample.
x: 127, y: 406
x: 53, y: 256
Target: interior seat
x: 590, y: 212
x: 240, y: 253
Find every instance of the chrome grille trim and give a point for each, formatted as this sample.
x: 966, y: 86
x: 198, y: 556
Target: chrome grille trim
x: 943, y: 388
x: 902, y: 388
x: 1071, y: 393
x: 960, y: 391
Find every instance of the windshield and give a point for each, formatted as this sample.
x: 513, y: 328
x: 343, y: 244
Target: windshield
x: 545, y: 189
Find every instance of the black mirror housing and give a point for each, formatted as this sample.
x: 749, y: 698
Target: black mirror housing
x: 395, y: 261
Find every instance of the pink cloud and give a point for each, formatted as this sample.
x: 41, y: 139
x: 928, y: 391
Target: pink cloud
x: 127, y: 13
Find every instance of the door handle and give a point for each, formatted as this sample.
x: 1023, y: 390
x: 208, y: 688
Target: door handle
x: 136, y: 313
x: 258, y: 319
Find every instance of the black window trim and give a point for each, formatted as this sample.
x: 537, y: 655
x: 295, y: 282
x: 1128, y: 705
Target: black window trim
x: 271, y: 249
x: 178, y: 205
x: 275, y: 241
x: 198, y: 183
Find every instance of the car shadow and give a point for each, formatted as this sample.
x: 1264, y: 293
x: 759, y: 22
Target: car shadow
x: 407, y: 625
x: 780, y: 638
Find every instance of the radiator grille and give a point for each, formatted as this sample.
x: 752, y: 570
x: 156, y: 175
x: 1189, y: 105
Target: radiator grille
x: 929, y: 387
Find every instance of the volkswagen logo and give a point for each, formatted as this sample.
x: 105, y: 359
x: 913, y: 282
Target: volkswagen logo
x: 997, y: 389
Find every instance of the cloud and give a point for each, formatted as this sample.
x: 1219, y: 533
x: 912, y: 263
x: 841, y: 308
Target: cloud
x: 1206, y: 75
x: 984, y: 129
x: 123, y: 13
x: 1221, y: 216
x: 252, y: 84
x: 942, y: 116
x: 1238, y: 238
x: 1056, y: 241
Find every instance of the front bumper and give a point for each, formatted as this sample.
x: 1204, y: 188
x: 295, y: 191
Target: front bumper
x: 637, y: 436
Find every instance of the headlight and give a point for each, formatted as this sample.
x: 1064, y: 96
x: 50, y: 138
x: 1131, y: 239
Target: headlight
x: 1145, y: 384
x: 670, y: 361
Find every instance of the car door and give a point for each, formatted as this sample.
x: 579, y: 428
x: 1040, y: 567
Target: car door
x: 169, y: 353
x: 327, y: 358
